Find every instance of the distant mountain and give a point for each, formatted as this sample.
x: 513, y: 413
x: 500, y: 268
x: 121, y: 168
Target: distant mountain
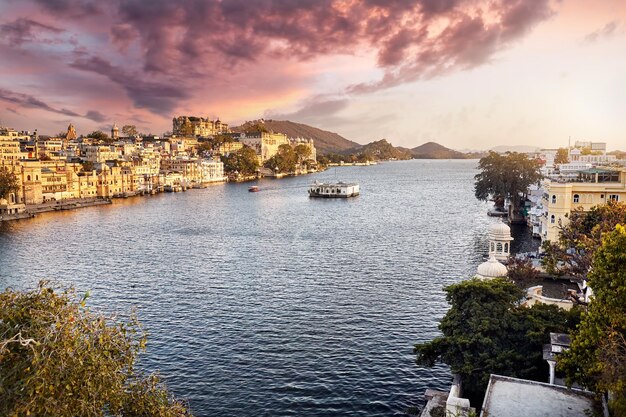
x: 378, y: 151
x: 325, y: 141
x: 432, y: 150
x: 515, y: 148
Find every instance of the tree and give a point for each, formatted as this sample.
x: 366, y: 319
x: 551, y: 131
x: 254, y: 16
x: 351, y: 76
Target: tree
x: 597, y: 355
x: 244, y: 161
x: 562, y: 156
x: 99, y: 135
x: 521, y: 271
x: 303, y: 152
x: 59, y: 358
x: 8, y: 182
x: 507, y: 176
x: 580, y: 238
x: 87, y: 166
x: 129, y: 130
x: 486, y: 331
x: 285, y: 159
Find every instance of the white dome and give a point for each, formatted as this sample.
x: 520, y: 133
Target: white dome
x: 491, y: 269
x: 499, y: 231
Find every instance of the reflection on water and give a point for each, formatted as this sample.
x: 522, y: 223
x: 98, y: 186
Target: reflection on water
x: 272, y: 303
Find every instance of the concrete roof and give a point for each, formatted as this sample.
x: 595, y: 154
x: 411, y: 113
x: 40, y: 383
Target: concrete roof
x: 512, y: 397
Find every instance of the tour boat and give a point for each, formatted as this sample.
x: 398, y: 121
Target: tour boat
x: 253, y: 189
x: 333, y: 190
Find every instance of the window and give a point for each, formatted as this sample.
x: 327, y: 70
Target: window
x: 506, y: 247
x: 28, y: 178
x: 552, y: 219
x: 614, y: 197
x: 499, y: 247
x: 553, y: 199
x: 576, y: 198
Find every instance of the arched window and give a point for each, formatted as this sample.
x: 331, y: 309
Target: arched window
x: 499, y: 247
x: 506, y: 248
x: 552, y: 219
x: 553, y: 199
x: 576, y: 198
x: 28, y: 178
x: 491, y: 246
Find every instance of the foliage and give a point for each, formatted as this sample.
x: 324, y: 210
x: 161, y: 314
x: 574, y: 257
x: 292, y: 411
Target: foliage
x: 521, y: 271
x: 562, y: 156
x: 580, y: 238
x: 8, y: 182
x: 486, y: 331
x: 303, y: 152
x: 244, y: 161
x: 285, y: 159
x: 87, y: 166
x: 597, y: 356
x: 59, y: 358
x: 43, y: 156
x: 130, y: 130
x: 506, y: 176
x: 99, y: 135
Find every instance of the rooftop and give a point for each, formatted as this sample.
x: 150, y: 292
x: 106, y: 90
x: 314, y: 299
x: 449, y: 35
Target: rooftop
x: 512, y: 397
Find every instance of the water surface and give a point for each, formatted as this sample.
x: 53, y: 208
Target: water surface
x: 271, y: 303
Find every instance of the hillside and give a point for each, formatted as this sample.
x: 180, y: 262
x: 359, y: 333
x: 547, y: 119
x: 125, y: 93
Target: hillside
x: 432, y: 150
x: 324, y: 140
x: 378, y: 150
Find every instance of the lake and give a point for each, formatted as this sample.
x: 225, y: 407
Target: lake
x: 272, y: 303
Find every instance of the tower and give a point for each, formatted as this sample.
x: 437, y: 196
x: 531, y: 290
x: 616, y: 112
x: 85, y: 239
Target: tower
x: 71, y: 133
x: 500, y: 241
x: 115, y: 132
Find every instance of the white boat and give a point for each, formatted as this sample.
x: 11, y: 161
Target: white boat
x: 333, y: 190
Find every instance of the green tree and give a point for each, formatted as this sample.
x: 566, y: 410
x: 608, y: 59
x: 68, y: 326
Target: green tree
x: 99, y: 135
x: 244, y: 161
x: 8, y: 182
x: 129, y: 130
x: 507, y: 176
x: 87, y: 166
x: 59, y: 358
x: 562, y: 156
x: 580, y: 238
x: 486, y: 331
x: 522, y: 272
x: 285, y: 159
x: 597, y: 355
x: 303, y: 152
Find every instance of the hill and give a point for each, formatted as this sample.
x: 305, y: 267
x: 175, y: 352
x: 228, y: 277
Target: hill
x: 432, y: 150
x: 377, y: 151
x: 325, y: 141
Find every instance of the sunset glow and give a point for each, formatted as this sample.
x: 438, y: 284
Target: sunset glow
x: 466, y: 74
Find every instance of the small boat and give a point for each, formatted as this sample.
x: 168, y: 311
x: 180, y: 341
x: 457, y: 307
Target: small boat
x: 253, y: 189
x: 334, y: 190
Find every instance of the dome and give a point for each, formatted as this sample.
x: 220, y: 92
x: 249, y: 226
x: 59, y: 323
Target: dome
x: 499, y: 231
x: 491, y: 269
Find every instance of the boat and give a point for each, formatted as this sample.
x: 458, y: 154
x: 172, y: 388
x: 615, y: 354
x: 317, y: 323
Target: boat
x: 334, y: 189
x: 253, y: 189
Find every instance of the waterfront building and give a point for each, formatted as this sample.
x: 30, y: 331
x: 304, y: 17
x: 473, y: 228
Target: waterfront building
x: 265, y: 144
x: 592, y: 187
x: 100, y: 153
x: 197, y: 126
x: 306, y: 142
x: 227, y: 148
x: 10, y: 149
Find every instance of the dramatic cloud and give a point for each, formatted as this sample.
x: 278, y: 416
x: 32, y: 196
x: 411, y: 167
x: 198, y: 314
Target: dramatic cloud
x: 24, y: 30
x: 28, y: 101
x: 604, y: 32
x: 159, y: 51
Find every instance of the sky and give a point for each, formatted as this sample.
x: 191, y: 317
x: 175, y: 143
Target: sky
x: 467, y: 74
